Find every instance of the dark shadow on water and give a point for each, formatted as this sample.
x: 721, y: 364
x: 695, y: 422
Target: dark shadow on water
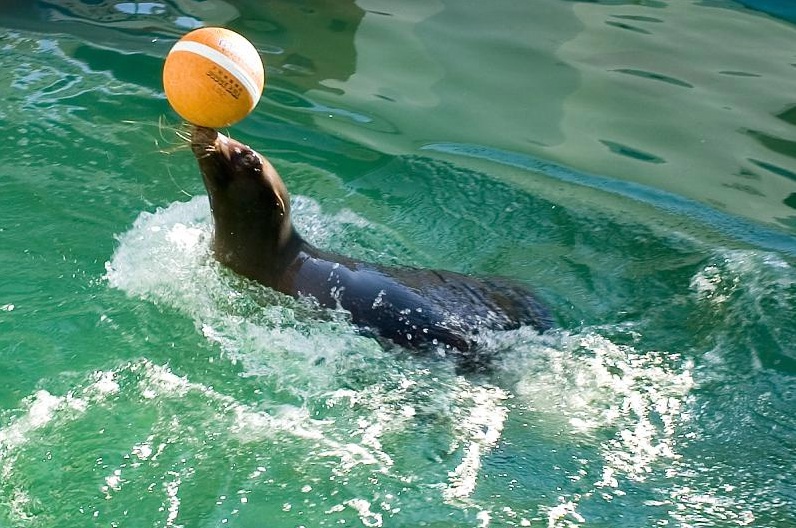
x: 784, y: 9
x: 276, y: 28
x: 630, y: 152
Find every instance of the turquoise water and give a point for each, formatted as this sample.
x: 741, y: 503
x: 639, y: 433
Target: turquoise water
x: 632, y: 162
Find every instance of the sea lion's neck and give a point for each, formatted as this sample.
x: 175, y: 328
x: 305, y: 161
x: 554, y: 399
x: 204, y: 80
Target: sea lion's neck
x: 263, y: 258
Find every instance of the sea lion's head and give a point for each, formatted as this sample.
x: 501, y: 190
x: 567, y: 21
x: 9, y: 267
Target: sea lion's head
x: 249, y: 202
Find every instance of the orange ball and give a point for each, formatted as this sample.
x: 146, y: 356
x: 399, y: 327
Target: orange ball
x: 213, y: 77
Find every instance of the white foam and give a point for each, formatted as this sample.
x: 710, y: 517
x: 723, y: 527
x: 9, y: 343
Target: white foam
x: 751, y: 273
x: 143, y: 450
x: 589, y: 386
x: 19, y: 506
x: 105, y: 383
x: 166, y: 258
x: 479, y: 429
x: 41, y: 409
x: 706, y: 282
x: 163, y: 252
x: 366, y: 516
x: 561, y: 512
x: 172, y: 489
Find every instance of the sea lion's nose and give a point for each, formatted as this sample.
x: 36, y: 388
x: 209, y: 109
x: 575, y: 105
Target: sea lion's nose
x: 204, y: 140
x: 203, y: 136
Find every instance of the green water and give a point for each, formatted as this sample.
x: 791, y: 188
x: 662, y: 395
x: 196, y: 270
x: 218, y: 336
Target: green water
x: 632, y: 162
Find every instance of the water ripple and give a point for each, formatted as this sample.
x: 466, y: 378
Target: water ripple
x: 654, y: 76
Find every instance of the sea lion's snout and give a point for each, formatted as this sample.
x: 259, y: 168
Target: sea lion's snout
x: 211, y: 150
x: 203, y: 140
x: 209, y: 145
x: 206, y: 142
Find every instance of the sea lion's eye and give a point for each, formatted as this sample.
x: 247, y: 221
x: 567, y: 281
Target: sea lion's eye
x: 247, y: 160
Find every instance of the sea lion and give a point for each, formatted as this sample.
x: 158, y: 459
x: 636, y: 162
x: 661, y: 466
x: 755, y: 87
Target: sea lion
x: 415, y: 308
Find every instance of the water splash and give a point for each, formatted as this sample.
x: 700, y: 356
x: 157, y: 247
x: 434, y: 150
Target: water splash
x: 378, y: 434
x: 354, y: 397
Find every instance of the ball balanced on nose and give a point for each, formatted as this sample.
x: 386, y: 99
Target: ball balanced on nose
x: 213, y: 77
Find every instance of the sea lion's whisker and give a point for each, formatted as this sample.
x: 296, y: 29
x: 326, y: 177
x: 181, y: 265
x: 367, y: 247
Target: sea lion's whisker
x: 177, y: 147
x: 183, y: 135
x: 183, y: 191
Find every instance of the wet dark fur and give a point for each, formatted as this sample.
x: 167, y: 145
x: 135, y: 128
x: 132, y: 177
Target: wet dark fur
x: 415, y: 308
